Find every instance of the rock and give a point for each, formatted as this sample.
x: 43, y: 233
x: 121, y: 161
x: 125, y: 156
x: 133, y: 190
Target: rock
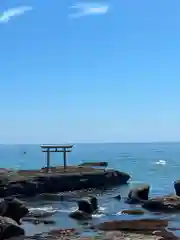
x: 138, y: 195
x: 9, y: 228
x: 40, y: 213
x: 133, y: 225
x: 94, y: 203
x: 118, y: 197
x: 15, y: 189
x: 85, y: 206
x: 163, y: 204
x: 62, y: 233
x: 15, y: 209
x: 3, y: 191
x: 51, y: 197
x: 177, y: 187
x: 38, y: 221
x: 80, y: 215
x: 133, y: 212
x: 3, y: 207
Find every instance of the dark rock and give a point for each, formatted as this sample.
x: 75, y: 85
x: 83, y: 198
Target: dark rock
x: 133, y: 212
x: 163, y: 204
x: 38, y: 220
x: 51, y: 197
x: 15, y: 209
x: 138, y: 195
x: 118, y: 197
x: 15, y: 189
x: 85, y: 205
x: 80, y: 215
x: 94, y: 203
x: 9, y: 228
x: 3, y: 207
x: 177, y: 187
x: 30, y: 188
x: 133, y: 225
x: 3, y: 191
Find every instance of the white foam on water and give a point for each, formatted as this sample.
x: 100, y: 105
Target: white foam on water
x: 43, y: 209
x: 161, y: 162
x: 67, y: 210
x: 102, y: 209
x: 119, y: 213
x: 98, y: 215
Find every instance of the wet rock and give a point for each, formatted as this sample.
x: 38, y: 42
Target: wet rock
x: 80, y: 215
x: 3, y: 191
x: 15, y: 189
x: 41, y: 213
x: 163, y: 204
x: 85, y: 205
x: 133, y: 225
x: 51, y: 197
x: 9, y: 228
x: 15, y: 209
x: 118, y: 197
x: 3, y: 207
x: 177, y: 187
x: 133, y: 212
x: 38, y: 221
x: 62, y: 233
x: 94, y: 203
x: 138, y: 195
x: 30, y: 188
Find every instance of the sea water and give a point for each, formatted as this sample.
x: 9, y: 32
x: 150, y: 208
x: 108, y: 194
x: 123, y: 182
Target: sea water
x: 157, y: 164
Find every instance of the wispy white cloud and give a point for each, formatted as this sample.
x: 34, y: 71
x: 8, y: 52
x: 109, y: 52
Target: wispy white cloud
x: 13, y: 12
x: 84, y: 9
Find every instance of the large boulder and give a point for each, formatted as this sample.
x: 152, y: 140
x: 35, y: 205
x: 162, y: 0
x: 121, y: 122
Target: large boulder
x: 9, y: 228
x: 167, y: 204
x: 86, y: 207
x: 177, y: 187
x: 132, y: 212
x: 138, y: 194
x: 94, y: 203
x: 133, y: 225
x: 15, y: 189
x: 15, y: 209
x: 80, y: 215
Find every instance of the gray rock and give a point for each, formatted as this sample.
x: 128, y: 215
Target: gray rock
x: 177, y: 187
x: 9, y: 228
x: 138, y: 195
x: 15, y: 209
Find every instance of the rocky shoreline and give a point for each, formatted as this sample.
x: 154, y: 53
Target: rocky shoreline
x: 14, y: 212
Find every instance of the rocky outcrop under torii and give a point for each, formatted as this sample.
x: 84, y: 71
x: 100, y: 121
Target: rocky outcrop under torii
x: 27, y: 184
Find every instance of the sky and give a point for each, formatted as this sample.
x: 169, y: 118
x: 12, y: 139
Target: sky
x: 89, y: 71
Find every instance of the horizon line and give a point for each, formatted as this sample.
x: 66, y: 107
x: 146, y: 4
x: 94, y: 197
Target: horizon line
x: 98, y: 142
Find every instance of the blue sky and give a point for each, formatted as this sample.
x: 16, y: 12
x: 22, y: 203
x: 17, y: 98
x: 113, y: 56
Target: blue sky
x: 88, y: 71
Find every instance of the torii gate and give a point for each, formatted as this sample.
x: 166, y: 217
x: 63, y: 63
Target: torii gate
x: 56, y: 148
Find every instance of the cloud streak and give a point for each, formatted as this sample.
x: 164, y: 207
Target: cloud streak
x: 13, y: 12
x: 84, y: 9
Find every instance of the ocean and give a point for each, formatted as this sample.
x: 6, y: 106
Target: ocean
x: 157, y: 164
